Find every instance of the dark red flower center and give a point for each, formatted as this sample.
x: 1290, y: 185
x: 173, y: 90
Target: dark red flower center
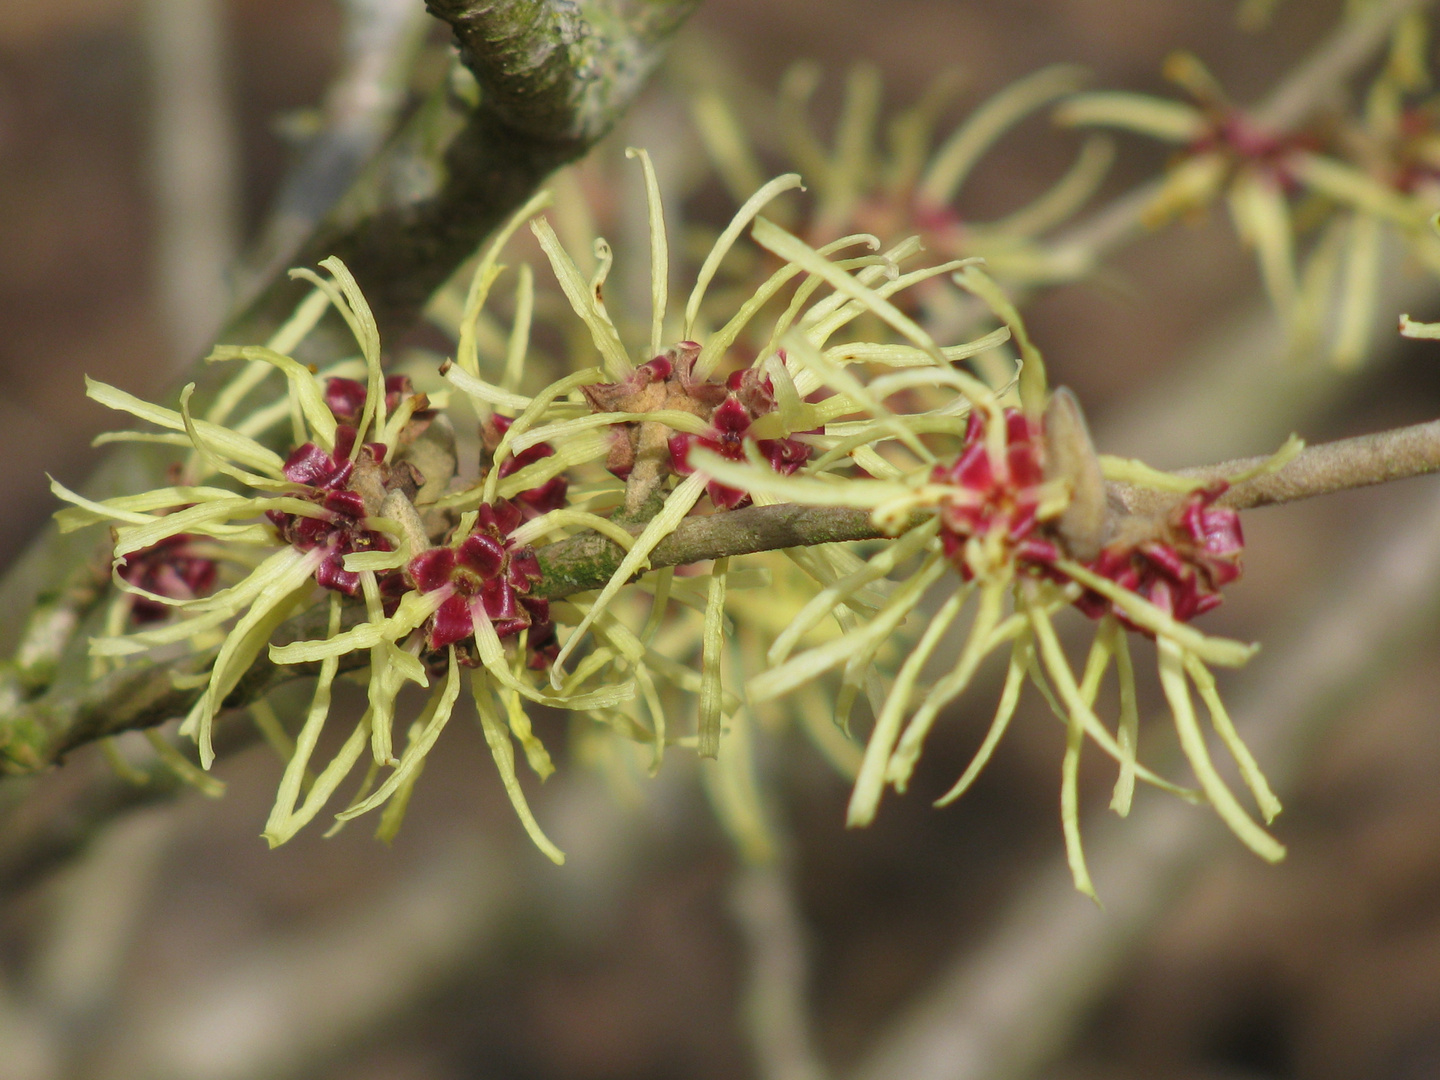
x: 486, y: 573
x: 535, y: 501
x: 1183, y: 570
x: 329, y: 481
x: 997, y: 495
x: 169, y: 568
x: 346, y: 397
x: 748, y: 396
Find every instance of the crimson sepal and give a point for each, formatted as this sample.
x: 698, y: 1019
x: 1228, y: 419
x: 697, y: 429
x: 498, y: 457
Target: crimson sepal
x: 537, y: 500
x: 313, y: 467
x: 482, y: 555
x: 431, y: 569
x: 450, y: 624
x: 328, y: 476
x: 543, y: 644
x: 730, y: 417
x: 346, y: 397
x: 331, y: 574
x: 728, y: 427
x: 995, y: 494
x: 484, y: 573
x: 168, y: 568
x: 1181, y: 573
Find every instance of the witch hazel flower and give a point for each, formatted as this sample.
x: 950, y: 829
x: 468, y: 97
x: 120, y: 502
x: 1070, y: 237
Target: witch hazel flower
x: 314, y: 518
x: 655, y: 415
x: 349, y: 491
x: 466, y: 598
x: 548, y: 495
x: 459, y: 612
x: 1220, y: 143
x: 1179, y: 566
x: 994, y: 502
x: 485, y: 572
x: 1381, y: 178
x: 178, y: 568
x: 667, y: 383
x: 1368, y: 172
x: 1020, y: 515
x: 1223, y: 153
x: 750, y: 395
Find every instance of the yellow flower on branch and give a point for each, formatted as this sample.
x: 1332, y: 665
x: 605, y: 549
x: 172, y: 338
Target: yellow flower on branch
x: 689, y: 394
x: 1017, y: 514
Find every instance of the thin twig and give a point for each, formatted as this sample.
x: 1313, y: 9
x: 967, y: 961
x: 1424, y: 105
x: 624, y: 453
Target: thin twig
x: 776, y: 1008
x: 379, y: 44
x: 586, y: 562
x: 1318, y: 470
x: 193, y: 174
x: 1352, y: 46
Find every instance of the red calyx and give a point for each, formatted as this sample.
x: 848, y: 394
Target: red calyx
x: 535, y: 501
x: 486, y: 573
x: 995, y: 493
x: 749, y: 396
x: 169, y: 568
x: 328, y: 477
x: 1182, y: 571
x: 346, y: 397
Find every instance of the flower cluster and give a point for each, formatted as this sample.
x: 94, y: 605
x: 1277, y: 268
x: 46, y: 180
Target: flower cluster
x: 730, y: 424
x: 729, y: 410
x: 993, y: 502
x: 348, y: 489
x: 1181, y: 566
x: 366, y: 527
x: 382, y: 553
x: 1020, y: 511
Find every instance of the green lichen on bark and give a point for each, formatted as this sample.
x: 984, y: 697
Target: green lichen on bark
x: 561, y: 72
x: 553, y: 78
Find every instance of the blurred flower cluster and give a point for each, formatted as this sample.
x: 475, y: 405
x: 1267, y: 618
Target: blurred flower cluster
x: 1326, y: 205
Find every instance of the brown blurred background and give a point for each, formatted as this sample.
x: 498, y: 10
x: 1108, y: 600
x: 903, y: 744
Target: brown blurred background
x: 174, y: 945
